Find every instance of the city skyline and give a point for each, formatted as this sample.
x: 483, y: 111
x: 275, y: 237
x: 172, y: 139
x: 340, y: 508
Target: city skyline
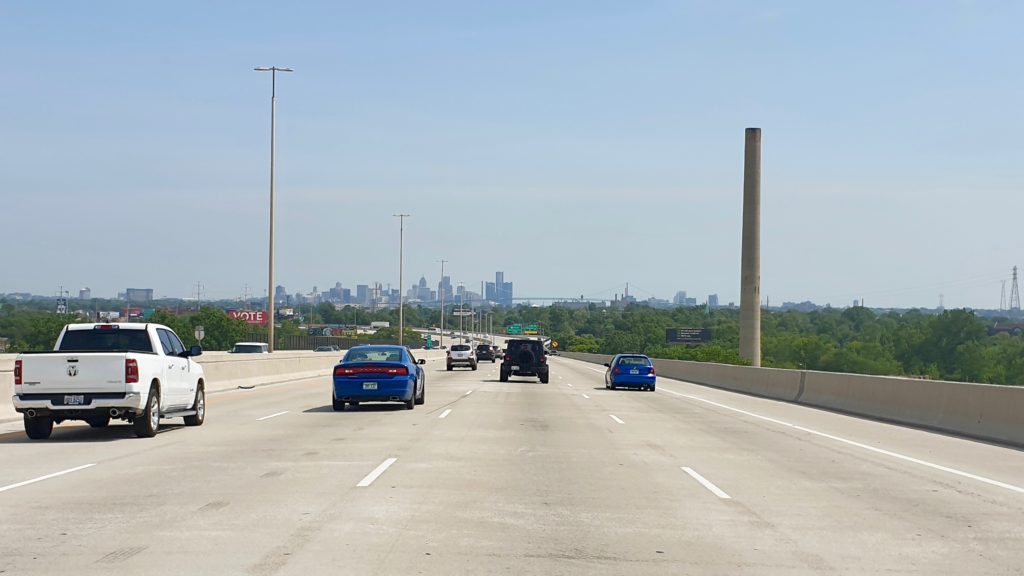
x: 575, y: 147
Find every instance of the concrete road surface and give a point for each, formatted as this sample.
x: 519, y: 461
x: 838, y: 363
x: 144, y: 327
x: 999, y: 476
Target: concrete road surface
x: 510, y: 478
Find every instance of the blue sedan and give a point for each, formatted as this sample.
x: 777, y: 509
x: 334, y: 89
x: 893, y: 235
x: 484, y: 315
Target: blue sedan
x: 378, y: 374
x: 630, y: 371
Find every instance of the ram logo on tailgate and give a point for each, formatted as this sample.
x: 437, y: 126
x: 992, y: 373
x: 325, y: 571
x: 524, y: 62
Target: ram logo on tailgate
x: 72, y: 370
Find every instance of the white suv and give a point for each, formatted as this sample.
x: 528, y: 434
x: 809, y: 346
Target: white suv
x: 461, y: 355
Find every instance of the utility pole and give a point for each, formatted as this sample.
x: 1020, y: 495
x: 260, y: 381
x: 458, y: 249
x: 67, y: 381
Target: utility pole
x: 441, y: 291
x: 401, y: 280
x: 273, y: 139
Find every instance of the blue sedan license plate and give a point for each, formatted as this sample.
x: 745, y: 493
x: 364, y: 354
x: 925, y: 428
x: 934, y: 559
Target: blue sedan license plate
x: 369, y: 385
x: 634, y: 371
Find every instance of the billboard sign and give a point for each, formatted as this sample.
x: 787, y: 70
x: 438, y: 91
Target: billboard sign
x: 687, y: 335
x: 258, y: 317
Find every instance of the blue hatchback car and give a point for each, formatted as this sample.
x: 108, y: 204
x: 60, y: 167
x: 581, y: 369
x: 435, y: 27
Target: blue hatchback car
x: 378, y: 374
x: 630, y: 371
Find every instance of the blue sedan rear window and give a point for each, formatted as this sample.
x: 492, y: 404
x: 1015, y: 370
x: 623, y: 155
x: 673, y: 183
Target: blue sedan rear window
x: 374, y: 354
x: 635, y: 361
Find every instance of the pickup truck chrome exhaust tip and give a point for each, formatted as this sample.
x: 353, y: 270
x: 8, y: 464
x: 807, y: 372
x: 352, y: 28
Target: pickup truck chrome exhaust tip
x: 115, y: 412
x: 30, y: 413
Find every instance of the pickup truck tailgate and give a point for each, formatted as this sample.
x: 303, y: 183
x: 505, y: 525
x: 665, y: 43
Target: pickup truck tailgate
x: 69, y: 372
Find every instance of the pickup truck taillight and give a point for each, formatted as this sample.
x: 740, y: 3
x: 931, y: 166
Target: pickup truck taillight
x: 17, y: 372
x: 131, y: 371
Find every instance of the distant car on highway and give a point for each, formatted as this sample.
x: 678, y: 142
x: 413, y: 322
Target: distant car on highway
x: 499, y: 352
x: 250, y: 348
x: 485, y: 352
x: 330, y: 348
x: 630, y: 371
x: 461, y: 355
x: 378, y: 373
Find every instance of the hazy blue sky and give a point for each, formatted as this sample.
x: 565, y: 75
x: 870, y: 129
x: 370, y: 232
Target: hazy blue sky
x: 574, y: 145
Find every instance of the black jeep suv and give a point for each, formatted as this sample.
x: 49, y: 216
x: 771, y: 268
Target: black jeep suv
x: 524, y: 358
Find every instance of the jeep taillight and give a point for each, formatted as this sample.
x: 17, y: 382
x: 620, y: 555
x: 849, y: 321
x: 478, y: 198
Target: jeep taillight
x: 17, y: 372
x: 131, y: 371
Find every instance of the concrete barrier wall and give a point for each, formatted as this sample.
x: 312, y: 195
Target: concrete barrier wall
x: 224, y: 371
x: 982, y: 411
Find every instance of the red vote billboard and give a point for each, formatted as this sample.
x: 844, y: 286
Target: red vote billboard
x: 250, y: 316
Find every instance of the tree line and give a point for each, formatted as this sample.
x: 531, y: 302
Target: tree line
x: 952, y: 345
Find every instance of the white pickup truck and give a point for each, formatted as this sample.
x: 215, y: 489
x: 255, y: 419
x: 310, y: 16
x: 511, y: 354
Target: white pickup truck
x: 134, y: 372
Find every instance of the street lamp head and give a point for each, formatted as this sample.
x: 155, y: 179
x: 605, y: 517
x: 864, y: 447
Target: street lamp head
x: 272, y: 68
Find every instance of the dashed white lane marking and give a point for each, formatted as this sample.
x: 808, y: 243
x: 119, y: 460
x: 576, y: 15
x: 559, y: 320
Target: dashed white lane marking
x: 445, y: 413
x: 616, y: 418
x: 889, y: 453
x: 47, y: 477
x: 595, y: 369
x: 376, y: 473
x: 706, y: 483
x: 587, y: 397
x: 468, y: 393
x: 570, y: 385
x: 272, y: 416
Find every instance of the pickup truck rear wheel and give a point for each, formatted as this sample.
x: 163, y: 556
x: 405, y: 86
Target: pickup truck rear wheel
x: 147, y: 423
x: 200, y: 407
x: 38, y: 428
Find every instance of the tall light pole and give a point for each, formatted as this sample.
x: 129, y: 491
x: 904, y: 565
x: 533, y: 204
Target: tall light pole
x: 462, y: 319
x: 270, y: 276
x: 401, y: 279
x: 441, y: 287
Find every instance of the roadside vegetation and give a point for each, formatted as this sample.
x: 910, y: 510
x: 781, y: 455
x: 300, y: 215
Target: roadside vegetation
x: 954, y: 345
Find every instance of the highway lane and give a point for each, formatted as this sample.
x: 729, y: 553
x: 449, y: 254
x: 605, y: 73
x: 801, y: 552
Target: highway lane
x: 517, y: 477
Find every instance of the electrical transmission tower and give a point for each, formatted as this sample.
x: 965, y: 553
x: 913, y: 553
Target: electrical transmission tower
x: 1014, y: 293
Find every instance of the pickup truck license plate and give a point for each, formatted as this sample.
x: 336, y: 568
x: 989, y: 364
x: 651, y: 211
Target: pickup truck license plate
x: 634, y: 371
x: 369, y: 385
x: 74, y: 399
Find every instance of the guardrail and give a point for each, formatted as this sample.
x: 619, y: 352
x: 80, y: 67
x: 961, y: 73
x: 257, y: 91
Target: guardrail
x: 981, y: 411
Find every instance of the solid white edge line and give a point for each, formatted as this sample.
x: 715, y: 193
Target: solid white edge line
x: 595, y: 369
x: 445, y: 413
x: 706, y: 483
x: 376, y: 473
x: 889, y: 453
x: 616, y: 418
x: 47, y: 477
x: 272, y: 416
x: 468, y: 393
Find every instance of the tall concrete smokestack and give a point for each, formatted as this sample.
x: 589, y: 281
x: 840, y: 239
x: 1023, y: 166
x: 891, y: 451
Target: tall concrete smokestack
x: 750, y: 265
